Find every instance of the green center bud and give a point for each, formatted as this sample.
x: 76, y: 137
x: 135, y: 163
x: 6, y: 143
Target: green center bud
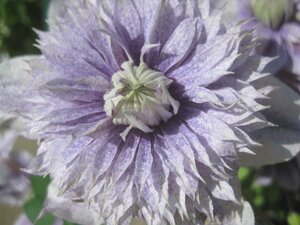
x: 139, y: 98
x: 273, y: 13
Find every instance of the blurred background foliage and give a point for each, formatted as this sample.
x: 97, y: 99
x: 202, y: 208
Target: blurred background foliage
x: 272, y: 205
x: 17, y: 18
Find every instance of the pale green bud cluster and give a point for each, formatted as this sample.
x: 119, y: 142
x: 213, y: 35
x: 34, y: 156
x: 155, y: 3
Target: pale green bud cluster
x: 273, y: 13
x: 139, y: 98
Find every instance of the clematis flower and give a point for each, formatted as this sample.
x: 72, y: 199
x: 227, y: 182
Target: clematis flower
x: 277, y: 24
x: 141, y: 108
x: 282, y: 140
x: 14, y: 185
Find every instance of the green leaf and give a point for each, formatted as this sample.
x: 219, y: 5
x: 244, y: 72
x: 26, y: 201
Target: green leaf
x: 69, y: 223
x: 294, y: 218
x: 48, y: 219
x: 243, y: 173
x: 39, y: 186
x: 33, y: 207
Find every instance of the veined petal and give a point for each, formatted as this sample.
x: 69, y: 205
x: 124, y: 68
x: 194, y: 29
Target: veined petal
x: 180, y: 44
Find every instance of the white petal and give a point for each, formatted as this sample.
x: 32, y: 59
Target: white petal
x: 15, y: 69
x: 282, y: 142
x: 284, y: 102
x: 56, y: 10
x: 15, y: 83
x: 73, y: 211
x: 277, y: 145
x: 245, y: 216
x: 224, y: 191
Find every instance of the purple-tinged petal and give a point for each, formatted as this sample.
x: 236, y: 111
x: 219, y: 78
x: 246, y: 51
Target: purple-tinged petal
x: 180, y: 44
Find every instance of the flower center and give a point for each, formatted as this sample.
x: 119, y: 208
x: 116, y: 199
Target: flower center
x: 273, y: 13
x: 139, y: 98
